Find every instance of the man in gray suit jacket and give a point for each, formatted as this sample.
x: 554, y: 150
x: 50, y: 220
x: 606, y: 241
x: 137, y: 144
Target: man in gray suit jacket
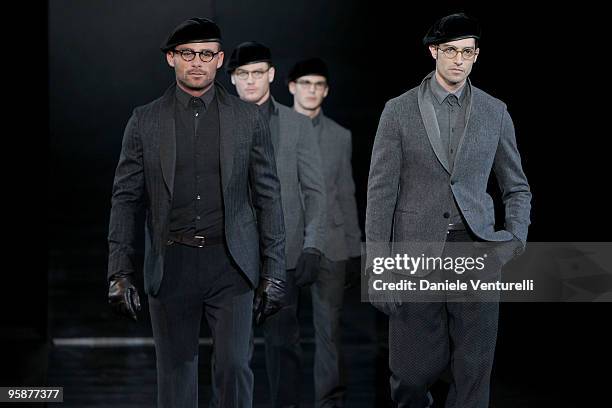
x: 298, y: 165
x: 433, y: 153
x: 200, y: 163
x: 309, y: 84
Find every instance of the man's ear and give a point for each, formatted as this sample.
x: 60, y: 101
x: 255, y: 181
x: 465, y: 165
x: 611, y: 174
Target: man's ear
x: 220, y: 57
x: 170, y: 58
x: 292, y: 87
x: 434, y: 51
x: 271, y: 73
x: 233, y: 79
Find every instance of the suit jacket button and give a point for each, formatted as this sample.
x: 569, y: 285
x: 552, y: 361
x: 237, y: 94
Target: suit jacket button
x: 446, y: 215
x: 452, y: 182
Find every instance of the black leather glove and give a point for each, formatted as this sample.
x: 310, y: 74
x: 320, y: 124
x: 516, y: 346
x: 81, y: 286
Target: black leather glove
x: 307, y: 269
x: 269, y: 298
x: 353, y: 272
x: 123, y: 295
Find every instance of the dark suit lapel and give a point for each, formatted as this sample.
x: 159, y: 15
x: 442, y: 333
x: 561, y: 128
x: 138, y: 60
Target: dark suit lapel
x: 428, y: 114
x: 227, y: 134
x: 278, y: 126
x: 167, y: 138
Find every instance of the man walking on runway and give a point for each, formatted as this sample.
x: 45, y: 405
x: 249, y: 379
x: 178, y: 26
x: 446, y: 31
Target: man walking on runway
x: 199, y: 163
x: 298, y: 165
x: 309, y: 84
x: 434, y: 150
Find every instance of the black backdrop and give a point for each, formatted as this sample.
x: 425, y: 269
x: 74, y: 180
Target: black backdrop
x: 104, y: 59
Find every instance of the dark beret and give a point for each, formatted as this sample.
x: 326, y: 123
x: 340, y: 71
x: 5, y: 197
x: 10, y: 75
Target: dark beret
x: 248, y: 53
x: 192, y: 31
x: 311, y: 66
x: 450, y: 28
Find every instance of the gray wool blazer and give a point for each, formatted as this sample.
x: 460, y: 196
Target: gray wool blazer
x: 343, y: 238
x: 298, y: 165
x: 144, y: 180
x: 410, y: 187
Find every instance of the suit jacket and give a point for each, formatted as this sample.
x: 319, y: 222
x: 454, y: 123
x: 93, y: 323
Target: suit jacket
x: 298, y: 165
x: 144, y: 180
x: 410, y: 186
x: 343, y: 239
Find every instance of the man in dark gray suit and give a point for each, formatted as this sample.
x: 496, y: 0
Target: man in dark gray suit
x: 298, y: 165
x: 200, y: 163
x: 308, y: 81
x: 433, y: 153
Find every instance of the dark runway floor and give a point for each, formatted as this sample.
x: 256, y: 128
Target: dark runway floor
x: 124, y: 375
x: 528, y: 372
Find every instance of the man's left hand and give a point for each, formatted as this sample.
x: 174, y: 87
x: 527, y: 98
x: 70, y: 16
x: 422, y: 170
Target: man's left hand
x: 269, y: 298
x: 353, y: 272
x: 307, y: 269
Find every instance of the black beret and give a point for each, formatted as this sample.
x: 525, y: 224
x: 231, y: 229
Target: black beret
x: 311, y: 66
x: 191, y: 31
x: 248, y: 53
x: 450, y: 28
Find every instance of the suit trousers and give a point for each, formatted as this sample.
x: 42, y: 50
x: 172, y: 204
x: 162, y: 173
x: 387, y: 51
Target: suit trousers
x: 198, y: 280
x: 282, y: 339
x: 426, y: 337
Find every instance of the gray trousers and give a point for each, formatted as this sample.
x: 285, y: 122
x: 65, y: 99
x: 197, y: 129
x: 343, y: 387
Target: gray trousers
x: 282, y: 338
x: 425, y: 338
x: 197, y: 280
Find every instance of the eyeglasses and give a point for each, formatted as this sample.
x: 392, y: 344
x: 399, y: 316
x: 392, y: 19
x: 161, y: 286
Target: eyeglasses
x: 306, y: 84
x: 243, y: 75
x: 189, y: 55
x: 451, y: 52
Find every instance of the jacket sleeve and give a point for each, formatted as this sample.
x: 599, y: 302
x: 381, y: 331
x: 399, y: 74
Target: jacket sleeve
x: 127, y: 202
x: 383, y: 184
x: 312, y: 187
x: 265, y: 188
x: 346, y: 198
x: 516, y: 194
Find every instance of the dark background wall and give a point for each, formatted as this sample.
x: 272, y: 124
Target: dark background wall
x: 104, y: 59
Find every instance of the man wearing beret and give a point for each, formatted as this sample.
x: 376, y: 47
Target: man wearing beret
x: 200, y: 163
x: 308, y: 82
x: 433, y: 153
x: 298, y: 165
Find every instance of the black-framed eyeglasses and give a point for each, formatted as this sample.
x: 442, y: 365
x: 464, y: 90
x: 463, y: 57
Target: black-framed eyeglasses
x: 189, y: 55
x: 243, y: 75
x: 466, y: 53
x: 306, y: 84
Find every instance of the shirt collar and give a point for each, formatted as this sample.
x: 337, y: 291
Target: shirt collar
x: 316, y: 121
x: 184, y: 98
x: 270, y: 105
x: 440, y: 93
